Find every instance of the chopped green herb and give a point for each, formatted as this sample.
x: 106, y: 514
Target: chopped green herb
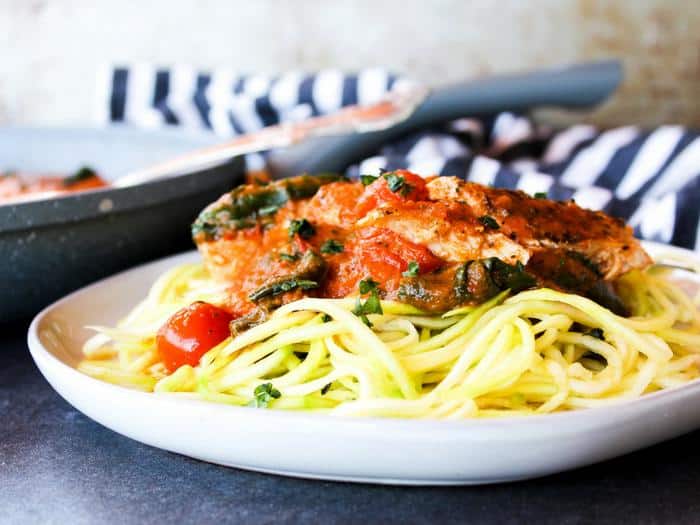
x: 366, y: 180
x: 368, y: 285
x: 541, y: 195
x: 372, y: 305
x: 268, y: 210
x: 325, y: 389
x: 413, y: 269
x: 264, y: 394
x: 397, y: 183
x: 289, y: 257
x: 506, y: 276
x: 489, y: 222
x: 308, y: 185
x: 474, y: 282
x: 282, y: 286
x: 83, y: 173
x: 249, y: 203
x: 326, y: 318
x: 482, y: 279
x: 332, y: 246
x: 302, y: 227
x: 368, y: 307
x: 306, y: 274
x: 394, y: 181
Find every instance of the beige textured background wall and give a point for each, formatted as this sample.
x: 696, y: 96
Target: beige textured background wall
x: 52, y: 49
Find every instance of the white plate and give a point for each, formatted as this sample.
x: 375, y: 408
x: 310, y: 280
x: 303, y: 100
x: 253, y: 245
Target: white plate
x: 417, y: 452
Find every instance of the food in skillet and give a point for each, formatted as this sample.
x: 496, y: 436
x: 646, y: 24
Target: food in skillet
x: 15, y: 187
x: 410, y: 297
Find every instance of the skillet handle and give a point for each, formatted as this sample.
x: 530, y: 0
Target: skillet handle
x: 578, y: 86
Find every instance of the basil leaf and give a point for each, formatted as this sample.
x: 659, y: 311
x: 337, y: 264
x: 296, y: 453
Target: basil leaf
x: 82, y: 174
x: 332, y: 246
x: 394, y: 181
x: 366, y: 180
x: 264, y: 394
x: 489, y: 222
x: 280, y: 287
x: 368, y: 285
x: 268, y: 210
x: 289, y: 257
x: 413, y: 269
x: 506, y: 276
x: 249, y: 202
x: 372, y: 305
x: 302, y: 227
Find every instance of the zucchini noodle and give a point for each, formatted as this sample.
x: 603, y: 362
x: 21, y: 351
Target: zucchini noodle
x: 535, y: 352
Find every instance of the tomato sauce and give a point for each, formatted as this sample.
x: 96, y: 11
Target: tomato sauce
x: 18, y: 187
x: 246, y: 258
x: 437, y: 243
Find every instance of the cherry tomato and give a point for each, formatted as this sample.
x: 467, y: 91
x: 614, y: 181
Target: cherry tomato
x: 411, y: 187
x: 385, y: 254
x: 301, y: 245
x: 190, y: 333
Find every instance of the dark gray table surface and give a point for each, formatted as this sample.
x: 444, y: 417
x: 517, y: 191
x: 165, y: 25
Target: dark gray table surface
x: 58, y: 466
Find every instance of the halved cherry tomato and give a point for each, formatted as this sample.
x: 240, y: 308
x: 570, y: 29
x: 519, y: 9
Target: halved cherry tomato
x: 411, y: 188
x: 190, y: 333
x: 385, y: 254
x: 301, y: 245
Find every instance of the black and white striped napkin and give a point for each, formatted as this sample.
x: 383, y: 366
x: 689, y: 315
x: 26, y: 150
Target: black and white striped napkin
x: 651, y: 178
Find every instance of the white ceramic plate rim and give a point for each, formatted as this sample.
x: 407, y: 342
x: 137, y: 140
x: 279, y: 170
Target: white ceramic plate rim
x: 396, y: 431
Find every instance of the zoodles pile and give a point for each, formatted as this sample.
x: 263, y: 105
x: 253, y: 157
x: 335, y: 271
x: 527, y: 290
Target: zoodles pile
x: 537, y: 351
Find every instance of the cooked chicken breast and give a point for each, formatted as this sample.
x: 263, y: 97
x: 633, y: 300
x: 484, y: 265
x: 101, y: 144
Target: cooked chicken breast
x: 543, y: 224
x: 436, y: 244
